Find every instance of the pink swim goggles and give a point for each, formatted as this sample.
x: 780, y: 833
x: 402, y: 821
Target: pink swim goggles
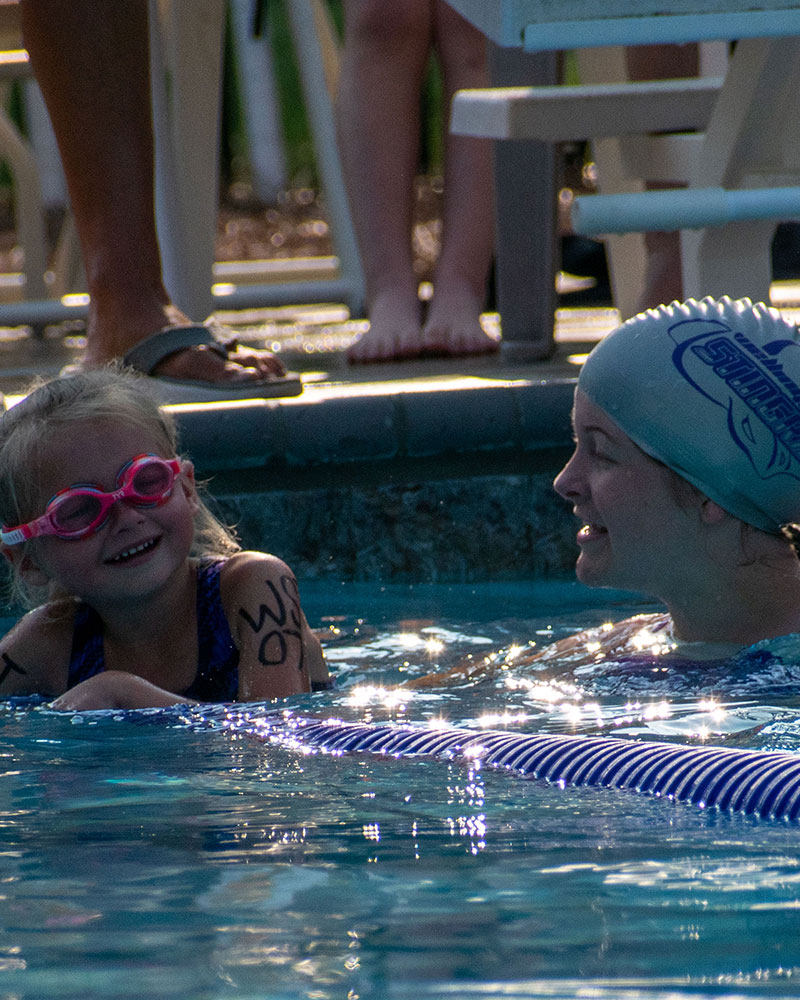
x: 80, y: 510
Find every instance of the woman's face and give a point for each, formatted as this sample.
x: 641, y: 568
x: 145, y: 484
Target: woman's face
x: 635, y: 535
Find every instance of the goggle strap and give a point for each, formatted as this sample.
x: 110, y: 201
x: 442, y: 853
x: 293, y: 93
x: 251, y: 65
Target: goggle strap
x: 14, y: 537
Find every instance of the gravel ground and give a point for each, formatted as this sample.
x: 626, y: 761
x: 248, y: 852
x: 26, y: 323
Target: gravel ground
x: 297, y: 226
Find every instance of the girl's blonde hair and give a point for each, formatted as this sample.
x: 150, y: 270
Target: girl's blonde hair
x: 50, y: 407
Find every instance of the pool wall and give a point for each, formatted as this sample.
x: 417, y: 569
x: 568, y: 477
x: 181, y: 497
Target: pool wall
x: 436, y: 486
x: 451, y: 530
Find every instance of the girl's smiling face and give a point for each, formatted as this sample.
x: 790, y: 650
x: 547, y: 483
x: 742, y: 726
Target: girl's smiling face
x: 636, y: 535
x: 138, y: 548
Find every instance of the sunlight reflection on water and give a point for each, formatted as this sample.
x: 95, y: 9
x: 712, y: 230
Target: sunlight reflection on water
x: 170, y: 855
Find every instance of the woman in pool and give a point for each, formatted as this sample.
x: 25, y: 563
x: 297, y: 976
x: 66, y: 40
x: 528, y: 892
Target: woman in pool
x: 142, y: 598
x: 686, y: 480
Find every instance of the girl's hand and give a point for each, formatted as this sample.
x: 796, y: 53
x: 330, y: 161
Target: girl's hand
x: 116, y: 689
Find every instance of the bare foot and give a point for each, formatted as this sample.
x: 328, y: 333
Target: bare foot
x: 394, y: 330
x: 453, y: 328
x: 204, y: 364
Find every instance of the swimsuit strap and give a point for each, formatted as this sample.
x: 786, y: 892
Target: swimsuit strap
x: 86, y: 656
x: 217, y: 677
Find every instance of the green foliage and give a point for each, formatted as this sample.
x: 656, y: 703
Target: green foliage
x: 433, y: 121
x: 299, y: 146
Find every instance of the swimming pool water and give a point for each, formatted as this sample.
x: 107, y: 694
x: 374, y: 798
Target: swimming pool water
x: 163, y: 855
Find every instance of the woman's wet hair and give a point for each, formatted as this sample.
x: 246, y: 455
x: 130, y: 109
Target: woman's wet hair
x: 59, y: 406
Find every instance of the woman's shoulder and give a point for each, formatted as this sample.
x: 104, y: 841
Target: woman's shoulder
x: 34, y: 654
x: 587, y: 647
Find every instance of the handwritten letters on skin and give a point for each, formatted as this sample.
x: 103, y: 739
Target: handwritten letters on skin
x: 8, y: 667
x: 278, y: 625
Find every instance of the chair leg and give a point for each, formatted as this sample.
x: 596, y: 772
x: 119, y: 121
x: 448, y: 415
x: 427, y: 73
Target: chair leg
x: 304, y: 19
x: 29, y: 206
x: 186, y: 50
x: 256, y: 79
x: 714, y: 263
x: 627, y: 254
x: 527, y: 255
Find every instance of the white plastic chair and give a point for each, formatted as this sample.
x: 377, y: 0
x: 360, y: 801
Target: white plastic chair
x: 35, y: 171
x: 187, y: 51
x: 746, y: 143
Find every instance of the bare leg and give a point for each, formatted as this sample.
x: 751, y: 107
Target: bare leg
x: 386, y: 49
x: 459, y: 285
x: 663, y: 282
x: 91, y: 59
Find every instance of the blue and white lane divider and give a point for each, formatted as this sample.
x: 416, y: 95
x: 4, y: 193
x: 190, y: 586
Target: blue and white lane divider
x: 752, y: 782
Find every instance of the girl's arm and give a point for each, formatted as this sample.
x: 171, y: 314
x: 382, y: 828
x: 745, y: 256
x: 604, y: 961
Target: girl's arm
x: 34, y: 654
x: 34, y: 659
x: 278, y: 653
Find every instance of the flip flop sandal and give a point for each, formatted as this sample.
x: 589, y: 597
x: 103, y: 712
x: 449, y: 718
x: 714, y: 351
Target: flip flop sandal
x: 151, y: 351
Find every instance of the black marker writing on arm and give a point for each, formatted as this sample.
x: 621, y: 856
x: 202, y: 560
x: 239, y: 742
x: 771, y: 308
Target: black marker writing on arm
x: 278, y: 615
x: 290, y: 589
x: 276, y: 645
x: 10, y: 667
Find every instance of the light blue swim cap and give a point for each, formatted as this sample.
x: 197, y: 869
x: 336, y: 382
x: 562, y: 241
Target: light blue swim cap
x: 712, y: 390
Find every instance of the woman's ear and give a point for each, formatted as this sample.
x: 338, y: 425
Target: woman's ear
x: 711, y: 513
x: 23, y: 563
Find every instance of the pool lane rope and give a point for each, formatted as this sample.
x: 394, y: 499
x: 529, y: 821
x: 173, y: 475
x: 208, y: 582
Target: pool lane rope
x: 758, y: 783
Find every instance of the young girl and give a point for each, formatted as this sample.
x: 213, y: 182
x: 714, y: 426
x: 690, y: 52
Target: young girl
x: 142, y: 598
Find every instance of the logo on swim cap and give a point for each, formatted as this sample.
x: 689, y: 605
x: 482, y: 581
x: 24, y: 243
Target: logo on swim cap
x: 756, y: 385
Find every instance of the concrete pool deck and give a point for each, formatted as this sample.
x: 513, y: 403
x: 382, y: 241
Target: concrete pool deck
x: 366, y: 415
x: 361, y: 413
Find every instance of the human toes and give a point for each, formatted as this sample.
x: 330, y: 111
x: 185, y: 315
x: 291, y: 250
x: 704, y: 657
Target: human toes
x: 207, y: 365
x: 263, y: 362
x: 380, y: 344
x: 451, y: 339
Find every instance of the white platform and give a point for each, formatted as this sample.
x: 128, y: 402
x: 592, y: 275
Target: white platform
x: 748, y: 127
x: 568, y: 24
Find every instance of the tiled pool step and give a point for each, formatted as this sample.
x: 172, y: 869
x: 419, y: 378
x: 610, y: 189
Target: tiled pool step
x: 333, y: 423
